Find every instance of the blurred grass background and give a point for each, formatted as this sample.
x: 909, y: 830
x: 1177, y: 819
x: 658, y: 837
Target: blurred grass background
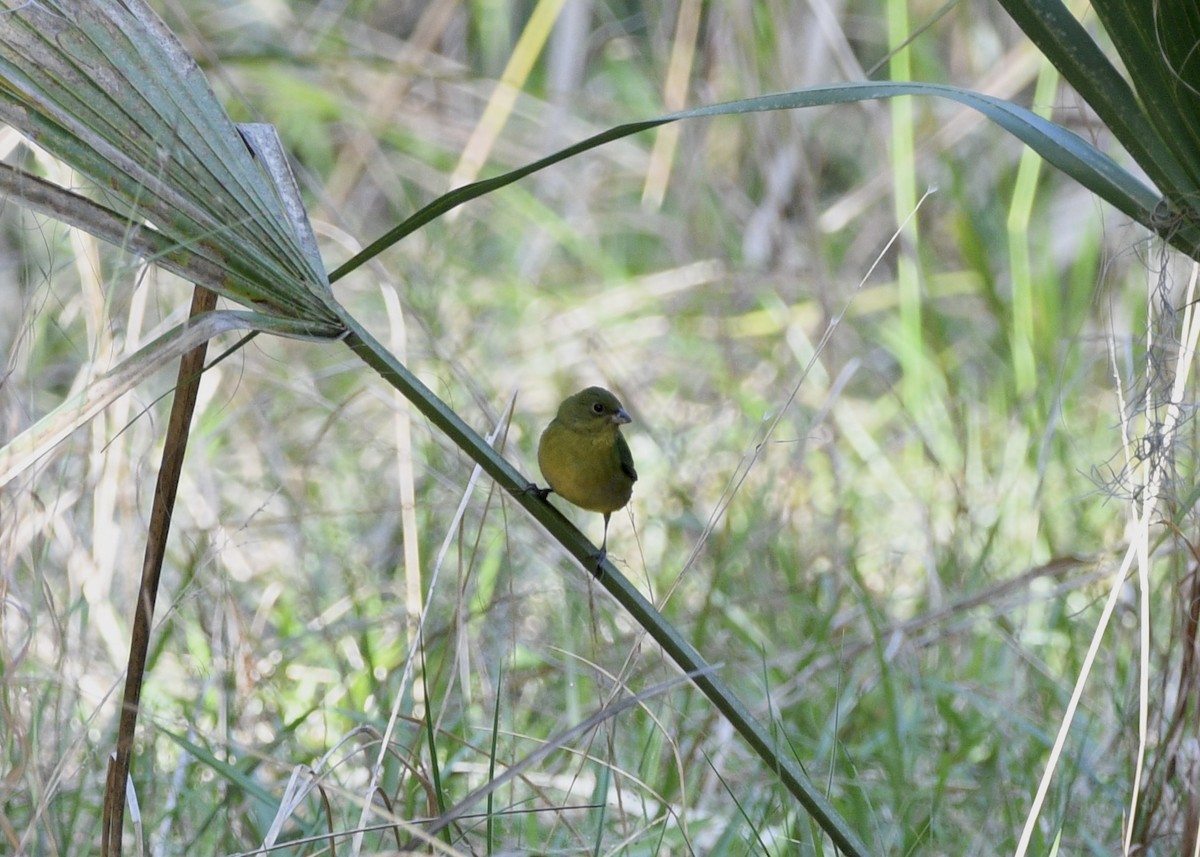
x: 902, y: 577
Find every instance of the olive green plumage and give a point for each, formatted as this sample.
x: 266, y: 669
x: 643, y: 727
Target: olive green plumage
x: 585, y: 458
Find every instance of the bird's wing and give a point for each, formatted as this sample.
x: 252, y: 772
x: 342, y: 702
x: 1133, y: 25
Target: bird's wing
x: 626, y: 457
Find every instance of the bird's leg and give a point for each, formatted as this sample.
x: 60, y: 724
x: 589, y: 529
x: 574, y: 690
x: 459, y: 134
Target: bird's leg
x: 603, y: 546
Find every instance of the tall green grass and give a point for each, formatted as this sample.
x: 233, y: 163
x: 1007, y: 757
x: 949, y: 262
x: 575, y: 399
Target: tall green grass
x: 901, y: 577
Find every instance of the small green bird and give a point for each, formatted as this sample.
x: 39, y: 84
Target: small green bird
x: 585, y: 458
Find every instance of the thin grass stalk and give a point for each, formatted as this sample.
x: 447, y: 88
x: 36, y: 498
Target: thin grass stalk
x: 406, y: 481
x: 555, y: 742
x: 675, y: 92
x: 174, y: 447
x: 493, y: 748
x: 1155, y: 474
x: 1019, y: 215
x: 904, y: 202
x: 1142, y: 518
x: 504, y: 97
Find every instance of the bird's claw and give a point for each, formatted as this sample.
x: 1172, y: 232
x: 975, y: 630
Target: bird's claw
x: 540, y: 493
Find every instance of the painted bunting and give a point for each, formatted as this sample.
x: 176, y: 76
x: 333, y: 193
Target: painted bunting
x: 585, y: 458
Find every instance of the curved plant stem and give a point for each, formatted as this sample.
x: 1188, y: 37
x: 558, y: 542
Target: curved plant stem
x: 641, y: 610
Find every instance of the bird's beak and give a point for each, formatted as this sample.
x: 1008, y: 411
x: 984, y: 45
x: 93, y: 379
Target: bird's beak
x: 621, y: 417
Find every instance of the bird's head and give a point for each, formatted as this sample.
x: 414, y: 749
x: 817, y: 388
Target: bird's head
x: 593, y: 409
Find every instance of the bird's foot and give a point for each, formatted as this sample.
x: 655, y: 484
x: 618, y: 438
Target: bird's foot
x: 600, y: 558
x: 540, y: 493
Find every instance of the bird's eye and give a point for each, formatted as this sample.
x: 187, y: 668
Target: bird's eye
x: 597, y: 408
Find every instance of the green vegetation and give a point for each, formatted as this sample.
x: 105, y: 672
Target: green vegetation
x: 882, y: 482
